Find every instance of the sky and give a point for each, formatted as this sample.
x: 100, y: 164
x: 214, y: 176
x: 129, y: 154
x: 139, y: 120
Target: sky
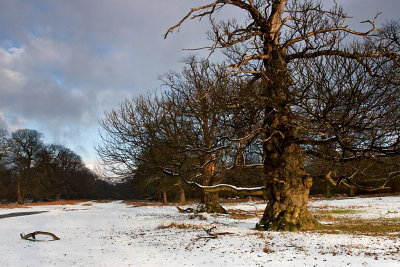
x: 63, y: 63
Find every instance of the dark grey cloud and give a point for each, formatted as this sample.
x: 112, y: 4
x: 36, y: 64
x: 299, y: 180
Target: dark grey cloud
x: 63, y: 63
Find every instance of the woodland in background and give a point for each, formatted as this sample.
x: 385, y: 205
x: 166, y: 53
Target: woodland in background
x: 56, y: 172
x: 33, y: 171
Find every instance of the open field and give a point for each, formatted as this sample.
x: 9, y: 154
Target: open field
x: 359, y: 232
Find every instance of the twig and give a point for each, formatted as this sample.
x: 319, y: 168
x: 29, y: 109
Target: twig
x: 211, y: 234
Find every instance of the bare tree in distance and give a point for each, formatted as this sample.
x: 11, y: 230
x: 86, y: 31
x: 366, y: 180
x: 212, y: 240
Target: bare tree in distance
x: 322, y: 83
x: 25, y: 145
x: 3, y: 143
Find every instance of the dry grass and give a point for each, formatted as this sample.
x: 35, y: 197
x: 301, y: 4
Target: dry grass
x: 104, y: 200
x: 325, y: 214
x: 340, y: 223
x: 345, y: 211
x: 344, y: 196
x: 241, y: 214
x: 180, y: 226
x: 50, y: 203
x: 258, y: 234
x: 267, y: 248
x: 241, y: 200
x: 382, y: 226
x: 142, y: 203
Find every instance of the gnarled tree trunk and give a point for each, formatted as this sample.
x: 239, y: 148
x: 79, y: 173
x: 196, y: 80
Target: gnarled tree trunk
x: 210, y: 199
x: 287, y: 185
x: 212, y: 203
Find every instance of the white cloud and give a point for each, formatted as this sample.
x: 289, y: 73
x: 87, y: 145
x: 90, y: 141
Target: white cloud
x: 11, y: 123
x: 11, y: 82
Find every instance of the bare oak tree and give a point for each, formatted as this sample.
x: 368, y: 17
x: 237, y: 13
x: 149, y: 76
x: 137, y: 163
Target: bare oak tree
x: 25, y: 145
x: 322, y: 83
x: 184, y: 132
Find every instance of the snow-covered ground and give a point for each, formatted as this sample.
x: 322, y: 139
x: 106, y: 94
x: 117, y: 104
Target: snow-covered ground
x: 116, y: 234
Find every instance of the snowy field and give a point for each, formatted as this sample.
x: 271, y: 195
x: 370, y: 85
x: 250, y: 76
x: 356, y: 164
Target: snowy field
x: 118, y: 234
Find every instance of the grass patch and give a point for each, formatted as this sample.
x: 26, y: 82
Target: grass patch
x: 345, y: 211
x: 238, y: 214
x: 340, y: 223
x: 375, y: 227
x: 142, y: 203
x: 331, y: 215
x: 180, y: 226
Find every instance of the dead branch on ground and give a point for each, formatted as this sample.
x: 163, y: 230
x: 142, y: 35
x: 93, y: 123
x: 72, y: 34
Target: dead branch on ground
x: 32, y: 236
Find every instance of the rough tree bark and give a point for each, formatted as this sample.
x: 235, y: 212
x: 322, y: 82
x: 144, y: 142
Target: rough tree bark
x: 210, y: 200
x: 288, y: 185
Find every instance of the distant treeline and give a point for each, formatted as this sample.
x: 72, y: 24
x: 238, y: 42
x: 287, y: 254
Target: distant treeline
x: 34, y: 171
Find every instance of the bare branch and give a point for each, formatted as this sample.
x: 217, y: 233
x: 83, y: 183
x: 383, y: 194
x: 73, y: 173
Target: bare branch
x: 193, y: 10
x: 340, y: 53
x: 333, y: 29
x: 346, y: 181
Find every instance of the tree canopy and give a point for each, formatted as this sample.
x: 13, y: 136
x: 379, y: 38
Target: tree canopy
x: 298, y: 87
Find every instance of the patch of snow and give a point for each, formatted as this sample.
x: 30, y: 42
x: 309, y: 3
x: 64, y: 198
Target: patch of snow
x: 116, y: 234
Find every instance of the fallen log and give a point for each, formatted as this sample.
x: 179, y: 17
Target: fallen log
x: 32, y: 236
